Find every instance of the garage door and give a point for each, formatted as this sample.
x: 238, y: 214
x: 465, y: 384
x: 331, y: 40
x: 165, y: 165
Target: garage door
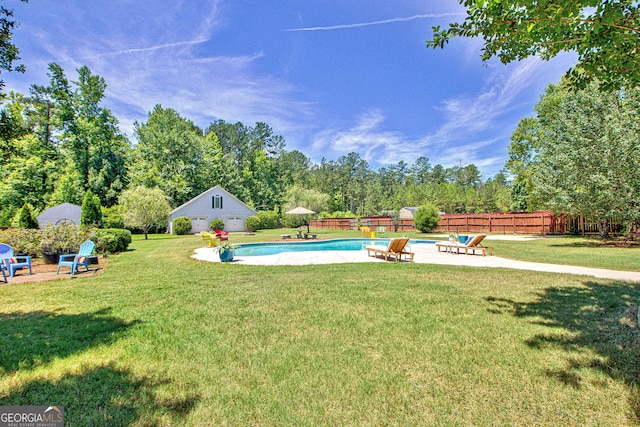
x: 234, y: 223
x: 199, y: 224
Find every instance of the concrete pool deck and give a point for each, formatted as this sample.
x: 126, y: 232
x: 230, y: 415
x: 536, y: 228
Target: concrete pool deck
x: 424, y: 254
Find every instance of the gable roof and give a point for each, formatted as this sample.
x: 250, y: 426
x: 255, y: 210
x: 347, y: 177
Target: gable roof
x: 206, y: 193
x: 411, y: 209
x: 64, y: 209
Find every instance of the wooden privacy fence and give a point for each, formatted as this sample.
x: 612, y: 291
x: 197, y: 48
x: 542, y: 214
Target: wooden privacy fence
x: 371, y: 222
x: 542, y: 222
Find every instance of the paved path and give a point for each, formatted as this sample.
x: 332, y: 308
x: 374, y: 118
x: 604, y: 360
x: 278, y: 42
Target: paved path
x: 424, y: 254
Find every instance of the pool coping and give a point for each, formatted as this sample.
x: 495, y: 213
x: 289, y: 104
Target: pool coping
x: 425, y: 253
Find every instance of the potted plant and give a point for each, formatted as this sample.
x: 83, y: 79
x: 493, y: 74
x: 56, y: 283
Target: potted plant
x: 61, y: 239
x: 226, y: 251
x: 452, y: 238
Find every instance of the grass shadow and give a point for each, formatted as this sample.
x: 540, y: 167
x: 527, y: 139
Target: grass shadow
x: 596, y: 316
x: 581, y: 244
x: 35, y: 338
x: 105, y: 396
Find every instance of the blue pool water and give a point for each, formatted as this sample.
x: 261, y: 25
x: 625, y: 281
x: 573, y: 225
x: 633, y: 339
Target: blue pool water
x: 251, y: 249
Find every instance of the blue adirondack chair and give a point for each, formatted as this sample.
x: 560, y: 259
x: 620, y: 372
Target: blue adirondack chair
x: 12, y: 262
x: 2, y: 269
x: 74, y: 261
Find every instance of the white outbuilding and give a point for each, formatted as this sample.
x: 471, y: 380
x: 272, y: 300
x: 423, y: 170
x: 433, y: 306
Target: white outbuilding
x: 216, y: 202
x: 65, y: 212
x: 408, y: 212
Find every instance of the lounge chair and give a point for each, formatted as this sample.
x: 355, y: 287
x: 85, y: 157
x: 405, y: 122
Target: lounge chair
x: 74, y: 261
x: 395, y: 249
x: 12, y: 262
x: 470, y: 247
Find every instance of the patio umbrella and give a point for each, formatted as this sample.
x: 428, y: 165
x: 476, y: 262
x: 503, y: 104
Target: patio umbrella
x: 301, y: 211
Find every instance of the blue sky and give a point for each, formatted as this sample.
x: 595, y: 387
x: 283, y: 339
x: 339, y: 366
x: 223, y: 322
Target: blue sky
x: 331, y: 76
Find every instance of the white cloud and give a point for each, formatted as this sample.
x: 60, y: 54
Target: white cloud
x: 379, y: 22
x: 470, y: 128
x: 175, y: 71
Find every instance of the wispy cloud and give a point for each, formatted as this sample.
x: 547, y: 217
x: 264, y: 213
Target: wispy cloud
x: 380, y: 22
x: 367, y: 137
x: 472, y: 129
x: 173, y: 62
x: 152, y: 48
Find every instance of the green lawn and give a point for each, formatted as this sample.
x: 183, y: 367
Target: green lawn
x: 161, y: 339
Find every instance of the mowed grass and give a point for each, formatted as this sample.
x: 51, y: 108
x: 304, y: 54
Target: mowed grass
x: 162, y: 339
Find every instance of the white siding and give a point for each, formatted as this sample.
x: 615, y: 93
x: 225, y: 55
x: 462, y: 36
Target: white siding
x: 233, y: 212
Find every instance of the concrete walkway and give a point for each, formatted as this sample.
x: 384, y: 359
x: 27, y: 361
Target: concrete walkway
x: 424, y: 254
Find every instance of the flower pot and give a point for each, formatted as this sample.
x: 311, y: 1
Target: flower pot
x: 226, y: 256
x: 51, y: 257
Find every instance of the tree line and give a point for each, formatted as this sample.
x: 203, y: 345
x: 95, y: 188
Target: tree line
x: 58, y: 141
x: 577, y: 155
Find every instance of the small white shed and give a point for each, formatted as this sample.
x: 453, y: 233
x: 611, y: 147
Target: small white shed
x: 216, y: 202
x: 65, y: 212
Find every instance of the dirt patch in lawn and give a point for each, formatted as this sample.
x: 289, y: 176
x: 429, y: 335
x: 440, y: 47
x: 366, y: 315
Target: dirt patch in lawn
x: 45, y: 272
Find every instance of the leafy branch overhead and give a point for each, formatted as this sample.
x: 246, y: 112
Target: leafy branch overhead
x: 9, y: 53
x: 604, y: 34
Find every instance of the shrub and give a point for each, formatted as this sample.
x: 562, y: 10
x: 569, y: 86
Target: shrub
x: 253, y: 223
x: 91, y: 214
x: 269, y: 220
x: 426, y: 218
x: 217, y: 224
x: 22, y: 240
x: 63, y: 238
x: 26, y: 218
x: 6, y: 216
x: 112, y: 217
x: 181, y: 225
x: 111, y: 240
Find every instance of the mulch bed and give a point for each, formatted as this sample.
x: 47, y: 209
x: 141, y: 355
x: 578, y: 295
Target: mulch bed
x: 45, y: 272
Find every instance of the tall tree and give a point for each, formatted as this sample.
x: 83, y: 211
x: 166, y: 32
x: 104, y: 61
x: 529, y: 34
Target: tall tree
x: 519, y: 164
x: 9, y: 52
x: 254, y: 151
x: 584, y: 151
x: 169, y: 155
x: 604, y: 34
x: 89, y: 132
x: 91, y: 214
x: 144, y: 208
x: 420, y: 170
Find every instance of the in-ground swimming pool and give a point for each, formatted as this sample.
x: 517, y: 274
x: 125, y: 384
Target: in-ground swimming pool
x: 271, y: 248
